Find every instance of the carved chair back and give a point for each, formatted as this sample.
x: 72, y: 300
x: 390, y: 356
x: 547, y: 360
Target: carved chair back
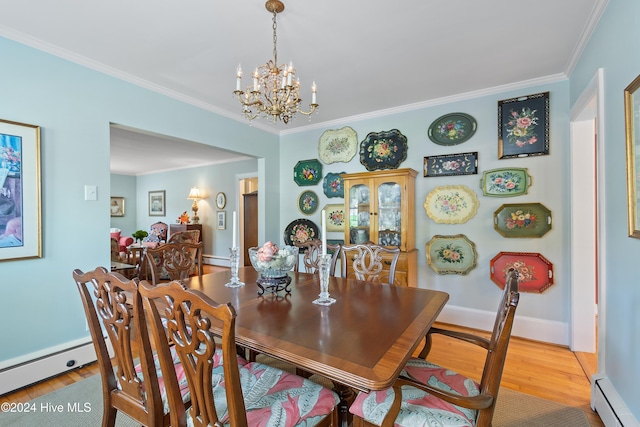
x: 172, y: 261
x: 187, y: 236
x: 312, y: 249
x: 369, y: 262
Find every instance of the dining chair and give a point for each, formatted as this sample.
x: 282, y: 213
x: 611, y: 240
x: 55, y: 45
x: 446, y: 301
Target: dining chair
x: 426, y: 394
x: 370, y: 262
x: 131, y: 381
x: 312, y: 249
x: 224, y: 392
x: 187, y: 236
x: 171, y: 261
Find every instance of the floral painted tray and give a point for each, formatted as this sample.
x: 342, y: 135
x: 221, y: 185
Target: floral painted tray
x: 308, y: 202
x: 522, y: 220
x: 307, y: 172
x: 451, y: 164
x: 338, y: 145
x: 451, y: 254
x: 452, y: 129
x: 383, y: 150
x: 451, y: 204
x: 505, y: 182
x: 299, y: 231
x: 535, y: 272
x: 333, y: 185
x: 335, y: 217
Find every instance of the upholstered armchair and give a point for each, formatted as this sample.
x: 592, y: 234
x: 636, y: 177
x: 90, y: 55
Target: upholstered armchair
x: 123, y: 241
x: 157, y: 235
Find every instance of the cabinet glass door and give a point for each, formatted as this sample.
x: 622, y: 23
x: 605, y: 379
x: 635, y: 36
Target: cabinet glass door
x: 389, y: 214
x: 359, y: 214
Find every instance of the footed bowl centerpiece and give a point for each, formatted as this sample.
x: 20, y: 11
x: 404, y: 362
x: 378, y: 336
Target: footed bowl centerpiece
x: 273, y: 263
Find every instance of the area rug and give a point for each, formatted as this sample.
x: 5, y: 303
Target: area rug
x: 80, y: 405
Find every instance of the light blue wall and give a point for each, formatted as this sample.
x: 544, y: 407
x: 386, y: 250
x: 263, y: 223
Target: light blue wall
x: 614, y: 47
x: 550, y: 187
x: 74, y: 107
x: 125, y: 186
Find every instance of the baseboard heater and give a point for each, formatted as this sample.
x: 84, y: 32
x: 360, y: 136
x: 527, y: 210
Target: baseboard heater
x: 32, y: 371
x: 606, y: 401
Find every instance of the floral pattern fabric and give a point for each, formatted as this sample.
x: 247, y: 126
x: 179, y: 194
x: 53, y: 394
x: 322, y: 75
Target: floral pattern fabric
x: 418, y: 408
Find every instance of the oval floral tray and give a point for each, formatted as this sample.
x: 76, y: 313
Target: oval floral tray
x: 308, y: 202
x: 505, y: 182
x: 383, y: 150
x: 333, y: 185
x: 299, y: 231
x: 452, y: 129
x: 451, y: 254
x: 522, y: 220
x: 451, y: 204
x: 338, y: 145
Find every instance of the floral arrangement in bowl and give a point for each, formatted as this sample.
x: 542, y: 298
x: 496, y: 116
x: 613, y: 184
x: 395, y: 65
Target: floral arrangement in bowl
x: 271, y: 261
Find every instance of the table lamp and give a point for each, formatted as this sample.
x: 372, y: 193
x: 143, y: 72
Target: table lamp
x: 194, y: 195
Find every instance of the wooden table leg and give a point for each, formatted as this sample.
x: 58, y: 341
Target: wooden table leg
x: 347, y: 396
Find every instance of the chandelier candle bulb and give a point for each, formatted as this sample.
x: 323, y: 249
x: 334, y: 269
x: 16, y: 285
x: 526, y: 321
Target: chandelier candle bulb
x: 323, y: 222
x: 239, y: 78
x: 313, y: 93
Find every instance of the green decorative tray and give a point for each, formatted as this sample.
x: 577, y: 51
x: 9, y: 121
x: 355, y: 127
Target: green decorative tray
x: 452, y: 129
x: 505, y: 182
x: 307, y: 172
x: 451, y: 254
x: 308, y: 202
x: 522, y: 220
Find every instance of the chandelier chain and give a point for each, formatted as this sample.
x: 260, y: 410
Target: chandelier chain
x: 275, y: 39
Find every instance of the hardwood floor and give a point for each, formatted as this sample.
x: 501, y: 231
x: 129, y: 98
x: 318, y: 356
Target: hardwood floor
x: 548, y: 371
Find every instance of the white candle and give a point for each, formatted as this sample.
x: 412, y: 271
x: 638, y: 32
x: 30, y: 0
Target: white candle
x: 313, y: 93
x: 323, y: 222
x: 235, y: 237
x: 239, y: 78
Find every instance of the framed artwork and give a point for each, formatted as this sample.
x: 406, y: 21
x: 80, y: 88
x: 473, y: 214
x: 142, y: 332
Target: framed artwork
x: 308, y: 202
x: 535, y: 272
x: 338, y: 145
x: 632, y: 125
x: 522, y: 220
x: 383, y: 150
x: 523, y: 126
x: 506, y: 182
x: 451, y: 254
x: 157, y: 204
x: 451, y: 164
x: 307, y: 172
x: 451, y: 204
x: 221, y: 220
x: 221, y: 200
x: 20, y: 208
x: 335, y: 217
x: 333, y: 185
x: 452, y: 129
x: 117, y: 206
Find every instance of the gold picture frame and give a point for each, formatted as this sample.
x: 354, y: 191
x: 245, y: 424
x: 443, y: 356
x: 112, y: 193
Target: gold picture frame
x: 117, y: 206
x: 632, y: 127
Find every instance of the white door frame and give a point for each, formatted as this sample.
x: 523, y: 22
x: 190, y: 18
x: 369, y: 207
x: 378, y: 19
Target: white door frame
x: 587, y: 156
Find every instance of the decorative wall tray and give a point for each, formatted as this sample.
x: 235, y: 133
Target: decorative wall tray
x: 300, y: 231
x: 451, y: 254
x: 338, y: 145
x: 452, y: 129
x: 535, y: 272
x: 522, y: 220
x: 451, y: 164
x: 451, y: 204
x: 383, y: 150
x: 505, y: 182
x: 335, y: 217
x: 308, y: 202
x: 307, y: 172
x: 333, y: 185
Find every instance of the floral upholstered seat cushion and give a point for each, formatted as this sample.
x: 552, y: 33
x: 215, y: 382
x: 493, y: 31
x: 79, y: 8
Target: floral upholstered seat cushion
x: 418, y: 408
x: 274, y: 397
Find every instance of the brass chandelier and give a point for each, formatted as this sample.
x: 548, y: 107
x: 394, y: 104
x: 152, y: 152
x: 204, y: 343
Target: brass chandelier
x: 275, y: 90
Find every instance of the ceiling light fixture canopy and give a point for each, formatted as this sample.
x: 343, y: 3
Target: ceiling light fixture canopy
x: 275, y: 90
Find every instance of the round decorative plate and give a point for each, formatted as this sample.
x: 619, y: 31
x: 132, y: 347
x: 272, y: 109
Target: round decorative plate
x: 383, y: 150
x: 308, y: 202
x: 338, y: 145
x: 300, y: 231
x: 451, y: 204
x: 452, y: 129
x: 333, y: 185
x: 307, y: 172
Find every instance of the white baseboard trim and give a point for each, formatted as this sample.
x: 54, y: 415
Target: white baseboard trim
x: 215, y: 260
x: 54, y: 362
x: 606, y: 401
x: 525, y: 327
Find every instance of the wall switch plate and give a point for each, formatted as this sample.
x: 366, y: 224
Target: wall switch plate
x: 90, y: 192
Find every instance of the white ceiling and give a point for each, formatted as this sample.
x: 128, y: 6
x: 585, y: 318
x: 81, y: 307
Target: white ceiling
x: 366, y: 56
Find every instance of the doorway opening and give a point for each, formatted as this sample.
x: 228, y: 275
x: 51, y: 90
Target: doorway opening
x: 248, y: 201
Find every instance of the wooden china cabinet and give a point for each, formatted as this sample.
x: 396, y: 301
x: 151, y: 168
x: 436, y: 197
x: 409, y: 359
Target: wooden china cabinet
x: 379, y: 207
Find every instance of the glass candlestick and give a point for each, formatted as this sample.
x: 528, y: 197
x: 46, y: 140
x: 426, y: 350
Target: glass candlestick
x: 234, y: 282
x: 324, y: 298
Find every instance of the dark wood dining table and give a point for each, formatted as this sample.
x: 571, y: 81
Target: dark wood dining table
x: 361, y: 342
